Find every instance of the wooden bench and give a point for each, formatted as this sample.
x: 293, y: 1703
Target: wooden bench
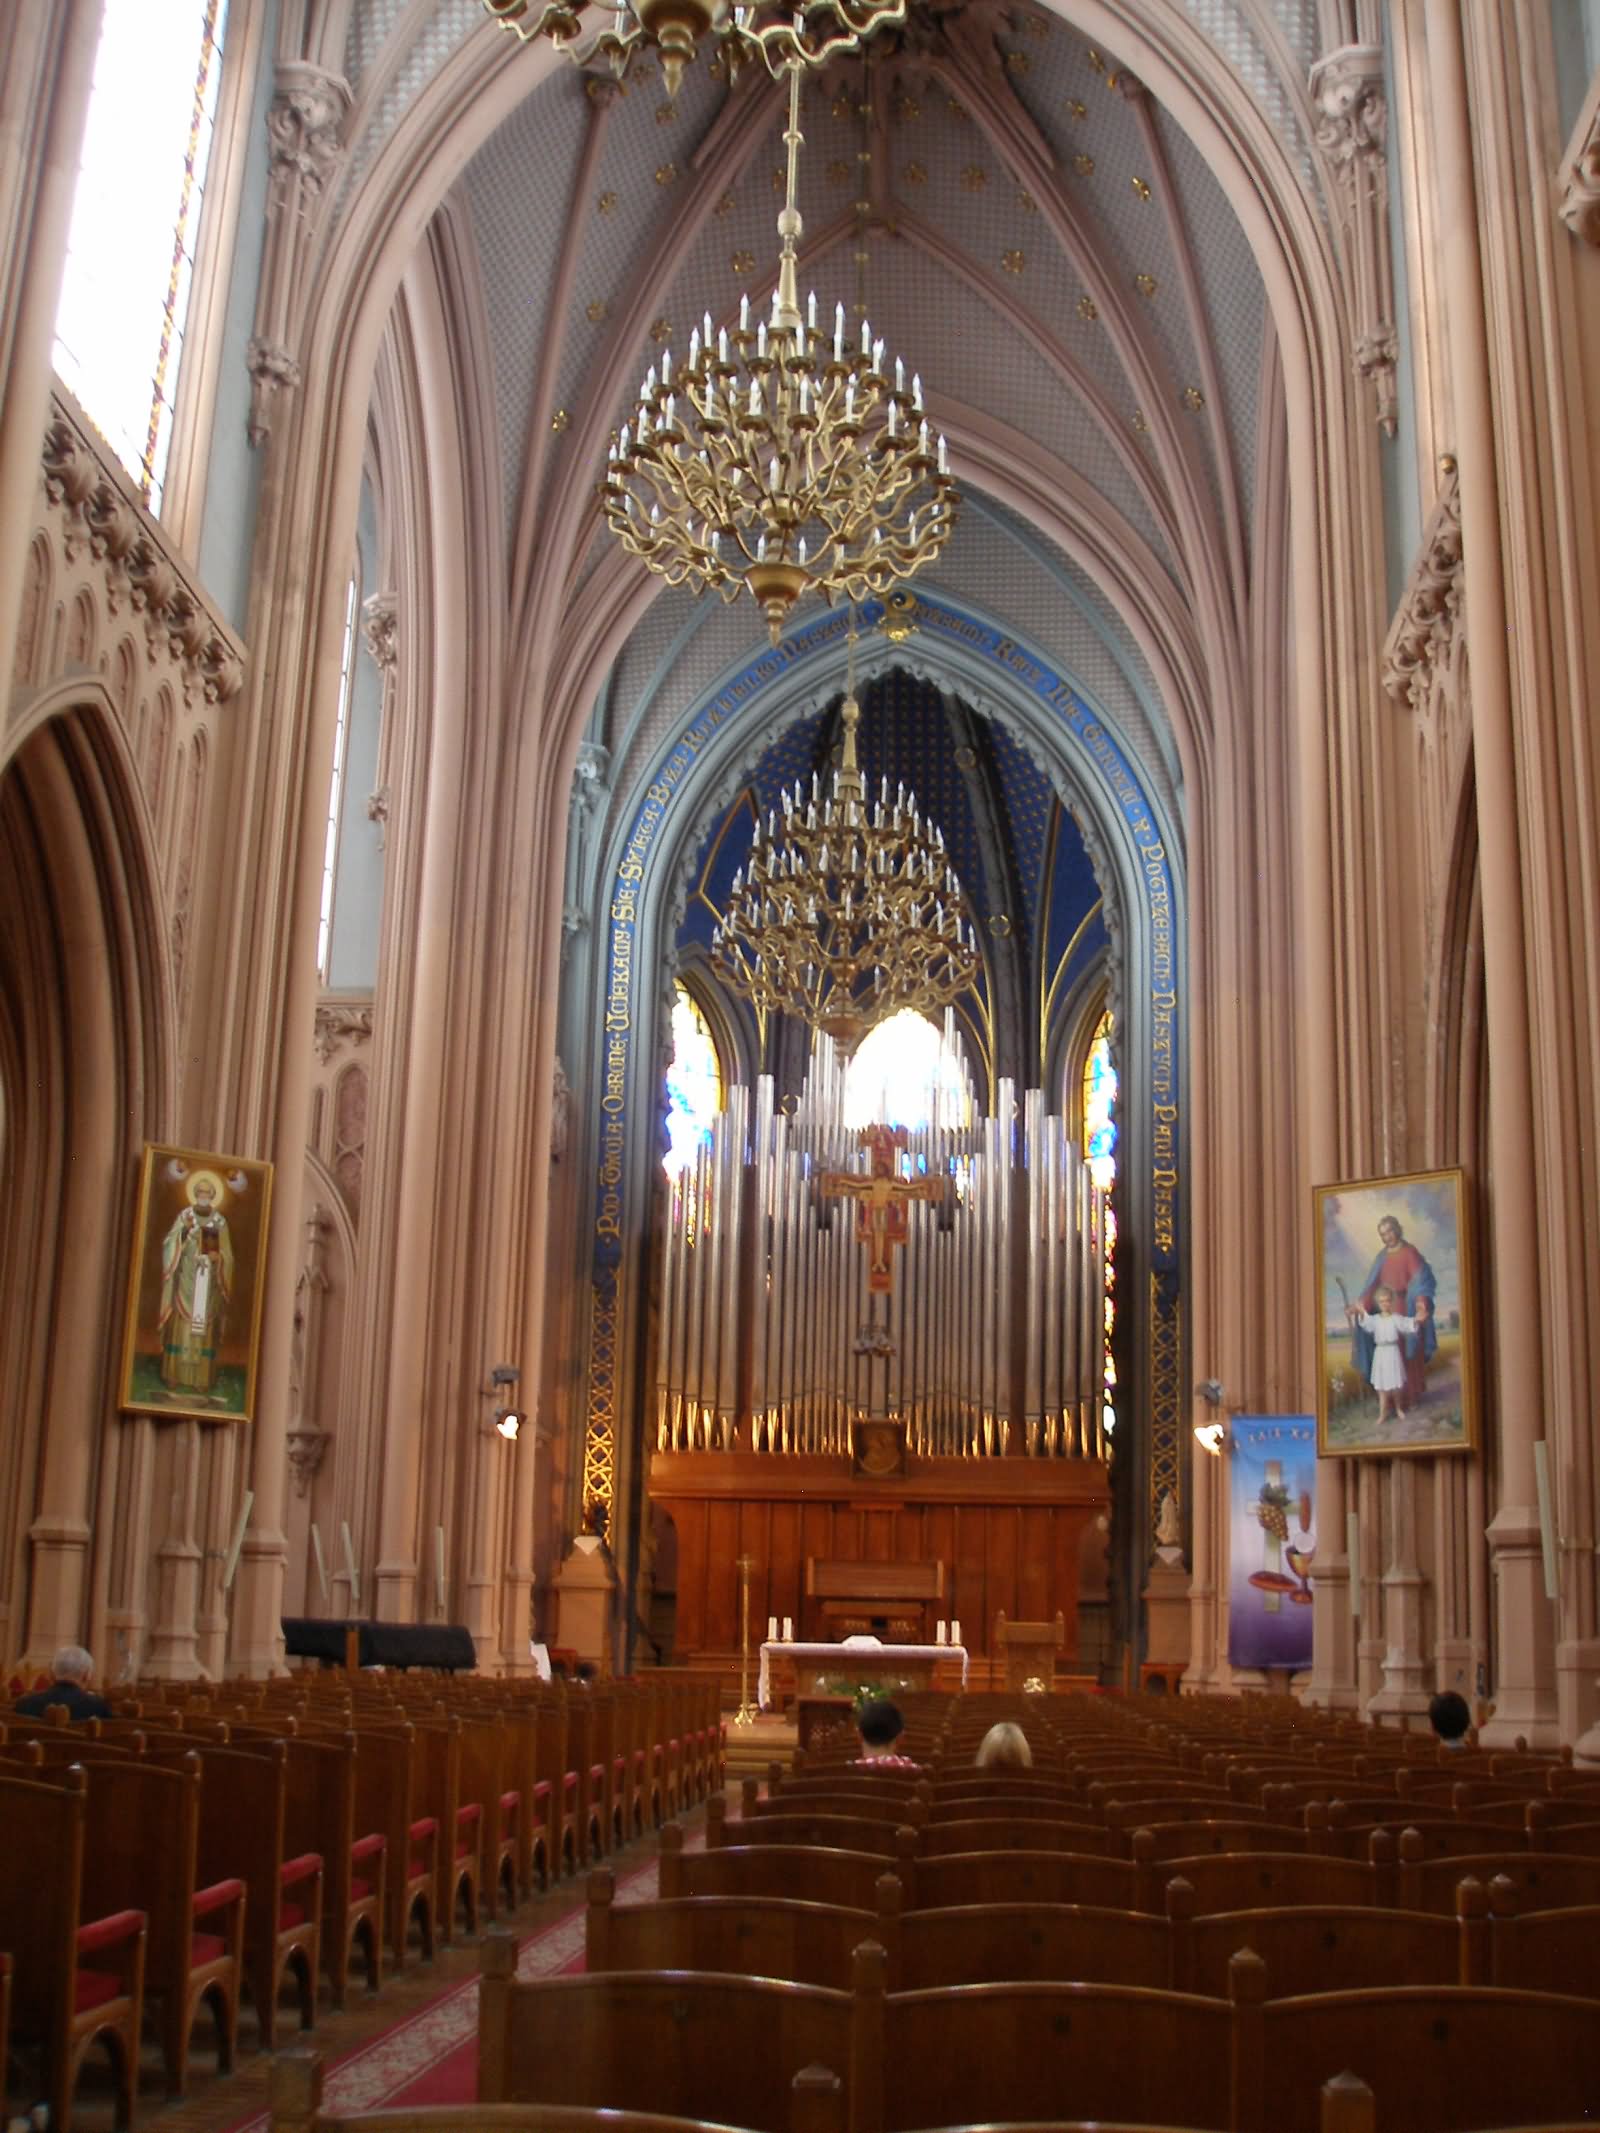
x: 1542, y: 1951
x: 75, y: 1981
x: 815, y: 1873
x: 1542, y: 1880
x: 699, y: 2044
x: 806, y: 1942
x: 975, y: 1944
x: 859, y: 1833
x: 320, y: 1816
x: 1026, y: 1877
x: 1000, y: 1833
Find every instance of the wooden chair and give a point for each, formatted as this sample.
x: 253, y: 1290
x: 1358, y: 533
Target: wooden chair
x: 141, y: 1852
x: 977, y: 1944
x: 320, y: 1816
x: 1000, y: 1833
x: 723, y: 2047
x: 1542, y: 1880
x: 808, y: 1873
x: 1322, y: 1948
x: 388, y: 1803
x: 862, y: 1800
x: 747, y: 1936
x: 1026, y: 1877
x: 1013, y: 2053
x: 1542, y: 1951
x: 858, y: 1833
x: 294, y: 2092
x: 1027, y: 1651
x: 1241, y: 1881
x: 75, y: 1981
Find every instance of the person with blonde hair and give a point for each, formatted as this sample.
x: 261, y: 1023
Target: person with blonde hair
x: 1005, y: 1747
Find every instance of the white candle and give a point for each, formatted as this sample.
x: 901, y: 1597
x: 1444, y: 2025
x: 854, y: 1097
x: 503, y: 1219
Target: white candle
x: 788, y: 1629
x: 955, y: 1632
x: 232, y: 1563
x: 322, y: 1568
x: 350, y: 1569
x: 941, y: 1633
x: 772, y: 1629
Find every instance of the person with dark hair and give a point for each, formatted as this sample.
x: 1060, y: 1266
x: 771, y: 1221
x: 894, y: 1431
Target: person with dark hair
x: 880, y: 1725
x: 1450, y: 1718
x: 73, y: 1670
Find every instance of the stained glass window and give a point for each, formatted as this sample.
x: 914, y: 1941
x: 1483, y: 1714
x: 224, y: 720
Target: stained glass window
x: 902, y: 1074
x: 1100, y: 1151
x: 135, y: 219
x: 694, y: 1083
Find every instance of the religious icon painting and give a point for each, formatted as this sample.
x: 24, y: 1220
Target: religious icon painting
x: 1272, y: 1531
x: 195, y: 1285
x: 1396, y: 1332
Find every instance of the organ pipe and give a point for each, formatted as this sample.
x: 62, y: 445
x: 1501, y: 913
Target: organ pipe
x: 763, y: 1270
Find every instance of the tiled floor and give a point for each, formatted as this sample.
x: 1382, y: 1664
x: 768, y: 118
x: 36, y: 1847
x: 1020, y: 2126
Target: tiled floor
x: 216, y: 2102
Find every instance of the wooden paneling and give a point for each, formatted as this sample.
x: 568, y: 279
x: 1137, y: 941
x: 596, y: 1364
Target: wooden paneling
x: 1009, y: 1531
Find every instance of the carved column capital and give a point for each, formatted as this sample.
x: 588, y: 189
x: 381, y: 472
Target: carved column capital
x: 341, y: 1022
x: 305, y: 123
x: 380, y: 625
x: 1429, y: 615
x: 1580, y: 189
x: 1352, y: 116
x: 307, y: 1448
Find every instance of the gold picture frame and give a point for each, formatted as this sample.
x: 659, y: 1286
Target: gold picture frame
x: 193, y: 1331
x: 1395, y: 1249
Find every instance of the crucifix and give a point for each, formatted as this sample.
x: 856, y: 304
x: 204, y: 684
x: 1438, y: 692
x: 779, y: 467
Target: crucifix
x: 882, y: 1198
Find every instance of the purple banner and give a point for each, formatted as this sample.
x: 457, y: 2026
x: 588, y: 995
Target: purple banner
x: 1272, y: 1532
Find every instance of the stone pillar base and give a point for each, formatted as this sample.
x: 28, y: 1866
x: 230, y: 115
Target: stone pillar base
x: 394, y: 1596
x: 55, y: 1610
x: 1166, y: 1609
x: 1578, y: 1694
x: 1525, y: 1692
x: 584, y: 1587
x: 257, y: 1643
x: 1332, y: 1681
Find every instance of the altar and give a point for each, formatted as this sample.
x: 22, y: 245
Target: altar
x: 795, y: 1670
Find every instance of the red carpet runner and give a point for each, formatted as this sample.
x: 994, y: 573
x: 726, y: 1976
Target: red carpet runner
x: 432, y: 2056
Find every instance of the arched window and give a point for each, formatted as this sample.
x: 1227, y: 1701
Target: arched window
x: 694, y: 1083
x: 135, y: 218
x: 904, y: 1073
x: 1099, y: 1097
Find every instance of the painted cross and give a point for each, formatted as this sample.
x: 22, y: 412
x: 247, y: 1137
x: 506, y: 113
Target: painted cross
x: 882, y: 1197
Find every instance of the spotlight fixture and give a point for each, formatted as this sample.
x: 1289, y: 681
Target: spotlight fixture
x: 1211, y: 1436
x: 779, y: 459
x: 508, y: 1422
x: 808, y: 35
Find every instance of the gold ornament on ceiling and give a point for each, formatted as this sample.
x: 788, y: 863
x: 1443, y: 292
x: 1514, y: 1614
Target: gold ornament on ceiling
x: 1145, y: 284
x: 606, y: 204
x: 661, y: 331
x: 1139, y: 422
x: 779, y: 460
x: 1036, y: 25
x: 843, y: 108
x: 559, y: 420
x: 1141, y: 188
x: 596, y: 310
x: 743, y: 263
x: 914, y: 174
x: 1017, y: 62
x: 724, y: 206
x: 665, y: 114
x: 907, y: 110
x: 1077, y: 109
x: 667, y: 174
x: 848, y: 909
x: 1083, y: 165
x: 1193, y: 398
x: 838, y: 172
x: 1095, y: 60
x: 808, y: 34
x: 1088, y: 308
x: 1027, y: 203
x: 956, y: 108
x: 974, y: 178
x: 1013, y: 261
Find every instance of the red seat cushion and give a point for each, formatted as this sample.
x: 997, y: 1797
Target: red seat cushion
x: 541, y: 1791
x: 110, y: 1931
x: 510, y: 1802
x: 426, y: 1827
x: 206, y: 1948
x: 570, y: 1781
x: 294, y: 1871
x: 92, y: 1988
x: 472, y: 1812
x: 598, y: 1770
x: 212, y: 1899
x: 366, y: 1848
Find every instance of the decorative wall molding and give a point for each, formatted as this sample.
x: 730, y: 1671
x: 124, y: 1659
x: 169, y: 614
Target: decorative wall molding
x: 380, y: 633
x: 343, y: 1023
x: 305, y: 149
x: 1580, y: 181
x: 97, y: 512
x: 1352, y: 128
x: 1428, y: 620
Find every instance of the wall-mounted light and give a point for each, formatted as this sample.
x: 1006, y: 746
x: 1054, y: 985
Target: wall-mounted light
x: 507, y: 1419
x: 1212, y: 1435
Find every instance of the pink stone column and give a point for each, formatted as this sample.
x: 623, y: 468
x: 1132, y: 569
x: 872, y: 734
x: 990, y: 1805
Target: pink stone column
x: 1525, y: 1698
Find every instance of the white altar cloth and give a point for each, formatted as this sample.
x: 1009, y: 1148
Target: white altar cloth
x: 841, y: 1652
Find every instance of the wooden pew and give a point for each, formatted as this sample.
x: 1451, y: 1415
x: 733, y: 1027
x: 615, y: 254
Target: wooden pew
x: 141, y: 1852
x: 1018, y: 2052
x: 814, y: 1873
x: 243, y: 1802
x: 1542, y: 1951
x: 999, y: 1833
x: 75, y: 1981
x: 458, y: 1822
x: 702, y: 2044
x: 1239, y: 1881
x: 1027, y: 1877
x: 1325, y: 1948
x: 807, y: 1942
x: 975, y: 1944
x: 388, y: 1789
x: 1542, y: 1880
x: 858, y: 1833
x: 320, y: 1816
x: 868, y: 1800
x: 294, y: 2092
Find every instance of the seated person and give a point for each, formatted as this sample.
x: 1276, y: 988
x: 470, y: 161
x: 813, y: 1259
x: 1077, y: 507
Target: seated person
x: 1005, y: 1747
x: 73, y: 1670
x: 880, y: 1725
x: 1450, y: 1719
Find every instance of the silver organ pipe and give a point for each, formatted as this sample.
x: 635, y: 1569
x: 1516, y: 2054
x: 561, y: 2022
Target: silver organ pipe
x: 995, y: 1316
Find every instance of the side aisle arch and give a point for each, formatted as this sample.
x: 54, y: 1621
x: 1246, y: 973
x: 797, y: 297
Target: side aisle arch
x: 700, y: 769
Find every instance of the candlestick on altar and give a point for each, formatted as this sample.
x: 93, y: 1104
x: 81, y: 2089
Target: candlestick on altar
x: 745, y: 1715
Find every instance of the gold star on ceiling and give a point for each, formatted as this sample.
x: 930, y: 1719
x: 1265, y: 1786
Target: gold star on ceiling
x: 1095, y: 60
x: 1088, y: 308
x: 725, y: 205
x: 559, y: 420
x: 907, y: 109
x: 597, y: 310
x: 660, y: 330
x: 665, y: 114
x: 1017, y: 62
x: 667, y: 174
x: 1193, y: 398
x: 743, y: 262
x: 838, y: 172
x: 606, y: 203
x: 1084, y: 166
x: 1076, y: 109
x: 956, y: 108
x: 1139, y: 422
x: 1027, y: 203
x: 1013, y: 262
x: 914, y: 174
x: 1141, y: 188
x: 974, y: 178
x: 1145, y: 284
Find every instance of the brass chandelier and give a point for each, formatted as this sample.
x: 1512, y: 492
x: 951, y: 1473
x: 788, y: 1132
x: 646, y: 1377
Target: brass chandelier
x: 778, y: 458
x: 846, y: 912
x: 808, y: 35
